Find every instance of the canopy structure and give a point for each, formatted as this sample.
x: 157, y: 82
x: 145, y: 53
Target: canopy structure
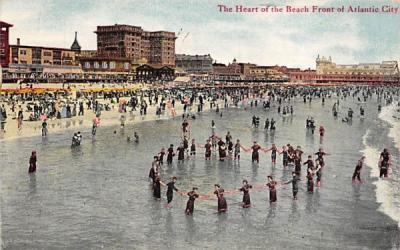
x: 108, y: 90
x: 33, y: 90
x: 182, y: 79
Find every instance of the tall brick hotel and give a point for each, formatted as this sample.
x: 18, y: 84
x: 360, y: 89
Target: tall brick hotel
x: 126, y: 41
x: 123, y: 52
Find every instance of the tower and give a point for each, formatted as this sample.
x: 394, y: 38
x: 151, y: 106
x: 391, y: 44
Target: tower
x: 75, y: 45
x: 4, y: 44
x: 322, y: 64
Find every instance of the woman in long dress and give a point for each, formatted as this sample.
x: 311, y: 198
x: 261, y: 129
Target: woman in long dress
x: 272, y: 189
x: 246, y: 193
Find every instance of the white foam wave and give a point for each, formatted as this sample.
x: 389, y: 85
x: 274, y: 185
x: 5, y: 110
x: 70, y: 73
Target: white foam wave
x: 384, y: 189
x: 392, y: 116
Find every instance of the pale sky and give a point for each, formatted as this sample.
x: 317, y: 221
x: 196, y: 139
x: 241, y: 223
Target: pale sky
x: 294, y: 40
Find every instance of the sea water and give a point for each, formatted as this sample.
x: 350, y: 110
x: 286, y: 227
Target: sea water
x: 98, y: 195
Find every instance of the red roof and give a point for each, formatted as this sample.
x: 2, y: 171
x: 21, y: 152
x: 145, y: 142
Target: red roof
x: 4, y: 24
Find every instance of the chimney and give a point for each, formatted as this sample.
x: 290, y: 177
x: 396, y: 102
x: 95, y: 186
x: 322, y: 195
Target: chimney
x: 18, y: 41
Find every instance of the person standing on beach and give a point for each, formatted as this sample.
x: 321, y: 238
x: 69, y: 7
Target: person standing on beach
x: 285, y: 156
x: 272, y: 189
x: 170, y: 154
x: 272, y: 126
x: 310, y: 181
x: 208, y: 149
x: 321, y: 131
x: 295, y: 186
x: 384, y: 163
x: 273, y: 150
x: 122, y: 120
x: 246, y: 194
x: 170, y: 191
x: 44, y: 128
x: 193, y: 148
x: 96, y: 122
x: 310, y: 164
x: 193, y: 195
x: 222, y: 205
x: 161, y: 156
x: 255, y: 156
x: 3, y: 118
x: 181, y: 153
x: 157, y: 187
x: 318, y: 172
x: 357, y: 170
x: 81, y: 109
x: 32, y: 162
x: 154, y: 170
x: 20, y: 118
x: 237, y: 150
x: 320, y: 156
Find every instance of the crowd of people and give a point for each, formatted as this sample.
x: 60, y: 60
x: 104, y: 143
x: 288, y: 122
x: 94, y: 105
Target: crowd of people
x: 224, y: 148
x: 291, y: 156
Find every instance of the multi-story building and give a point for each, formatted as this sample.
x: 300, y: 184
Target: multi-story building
x: 232, y: 69
x: 364, y: 73
x: 325, y: 66
x: 38, y: 55
x: 248, y: 72
x: 245, y: 68
x: 4, y: 44
x: 195, y: 64
x: 24, y: 54
x: 265, y: 73
x: 36, y: 61
x: 127, y: 41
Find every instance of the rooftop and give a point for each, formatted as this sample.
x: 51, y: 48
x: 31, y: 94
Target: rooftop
x: 4, y: 24
x: 193, y: 57
x: 75, y: 45
x: 38, y: 47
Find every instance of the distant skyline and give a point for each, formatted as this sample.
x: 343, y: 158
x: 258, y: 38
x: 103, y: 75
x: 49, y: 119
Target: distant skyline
x: 294, y: 40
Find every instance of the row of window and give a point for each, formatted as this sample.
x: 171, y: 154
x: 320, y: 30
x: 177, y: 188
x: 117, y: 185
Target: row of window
x: 104, y: 65
x: 357, y: 73
x: 46, y: 53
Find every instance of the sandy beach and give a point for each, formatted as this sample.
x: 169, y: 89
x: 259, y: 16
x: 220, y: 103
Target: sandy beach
x: 108, y: 118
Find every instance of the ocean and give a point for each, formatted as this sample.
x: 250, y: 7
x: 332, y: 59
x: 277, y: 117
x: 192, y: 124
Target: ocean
x: 98, y: 196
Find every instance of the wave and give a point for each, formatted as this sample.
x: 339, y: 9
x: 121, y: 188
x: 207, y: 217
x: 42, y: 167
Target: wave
x: 385, y: 194
x: 391, y: 115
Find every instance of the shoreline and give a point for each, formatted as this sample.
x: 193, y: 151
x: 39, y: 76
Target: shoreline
x: 108, y: 118
x: 386, y: 205
x: 383, y: 188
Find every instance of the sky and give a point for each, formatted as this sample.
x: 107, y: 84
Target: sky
x: 292, y: 39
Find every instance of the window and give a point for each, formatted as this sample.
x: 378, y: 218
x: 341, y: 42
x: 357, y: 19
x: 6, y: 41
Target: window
x: 104, y: 65
x: 22, y: 52
x: 47, y: 53
x: 112, y: 65
x: 96, y: 65
x: 87, y: 65
x: 126, y: 65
